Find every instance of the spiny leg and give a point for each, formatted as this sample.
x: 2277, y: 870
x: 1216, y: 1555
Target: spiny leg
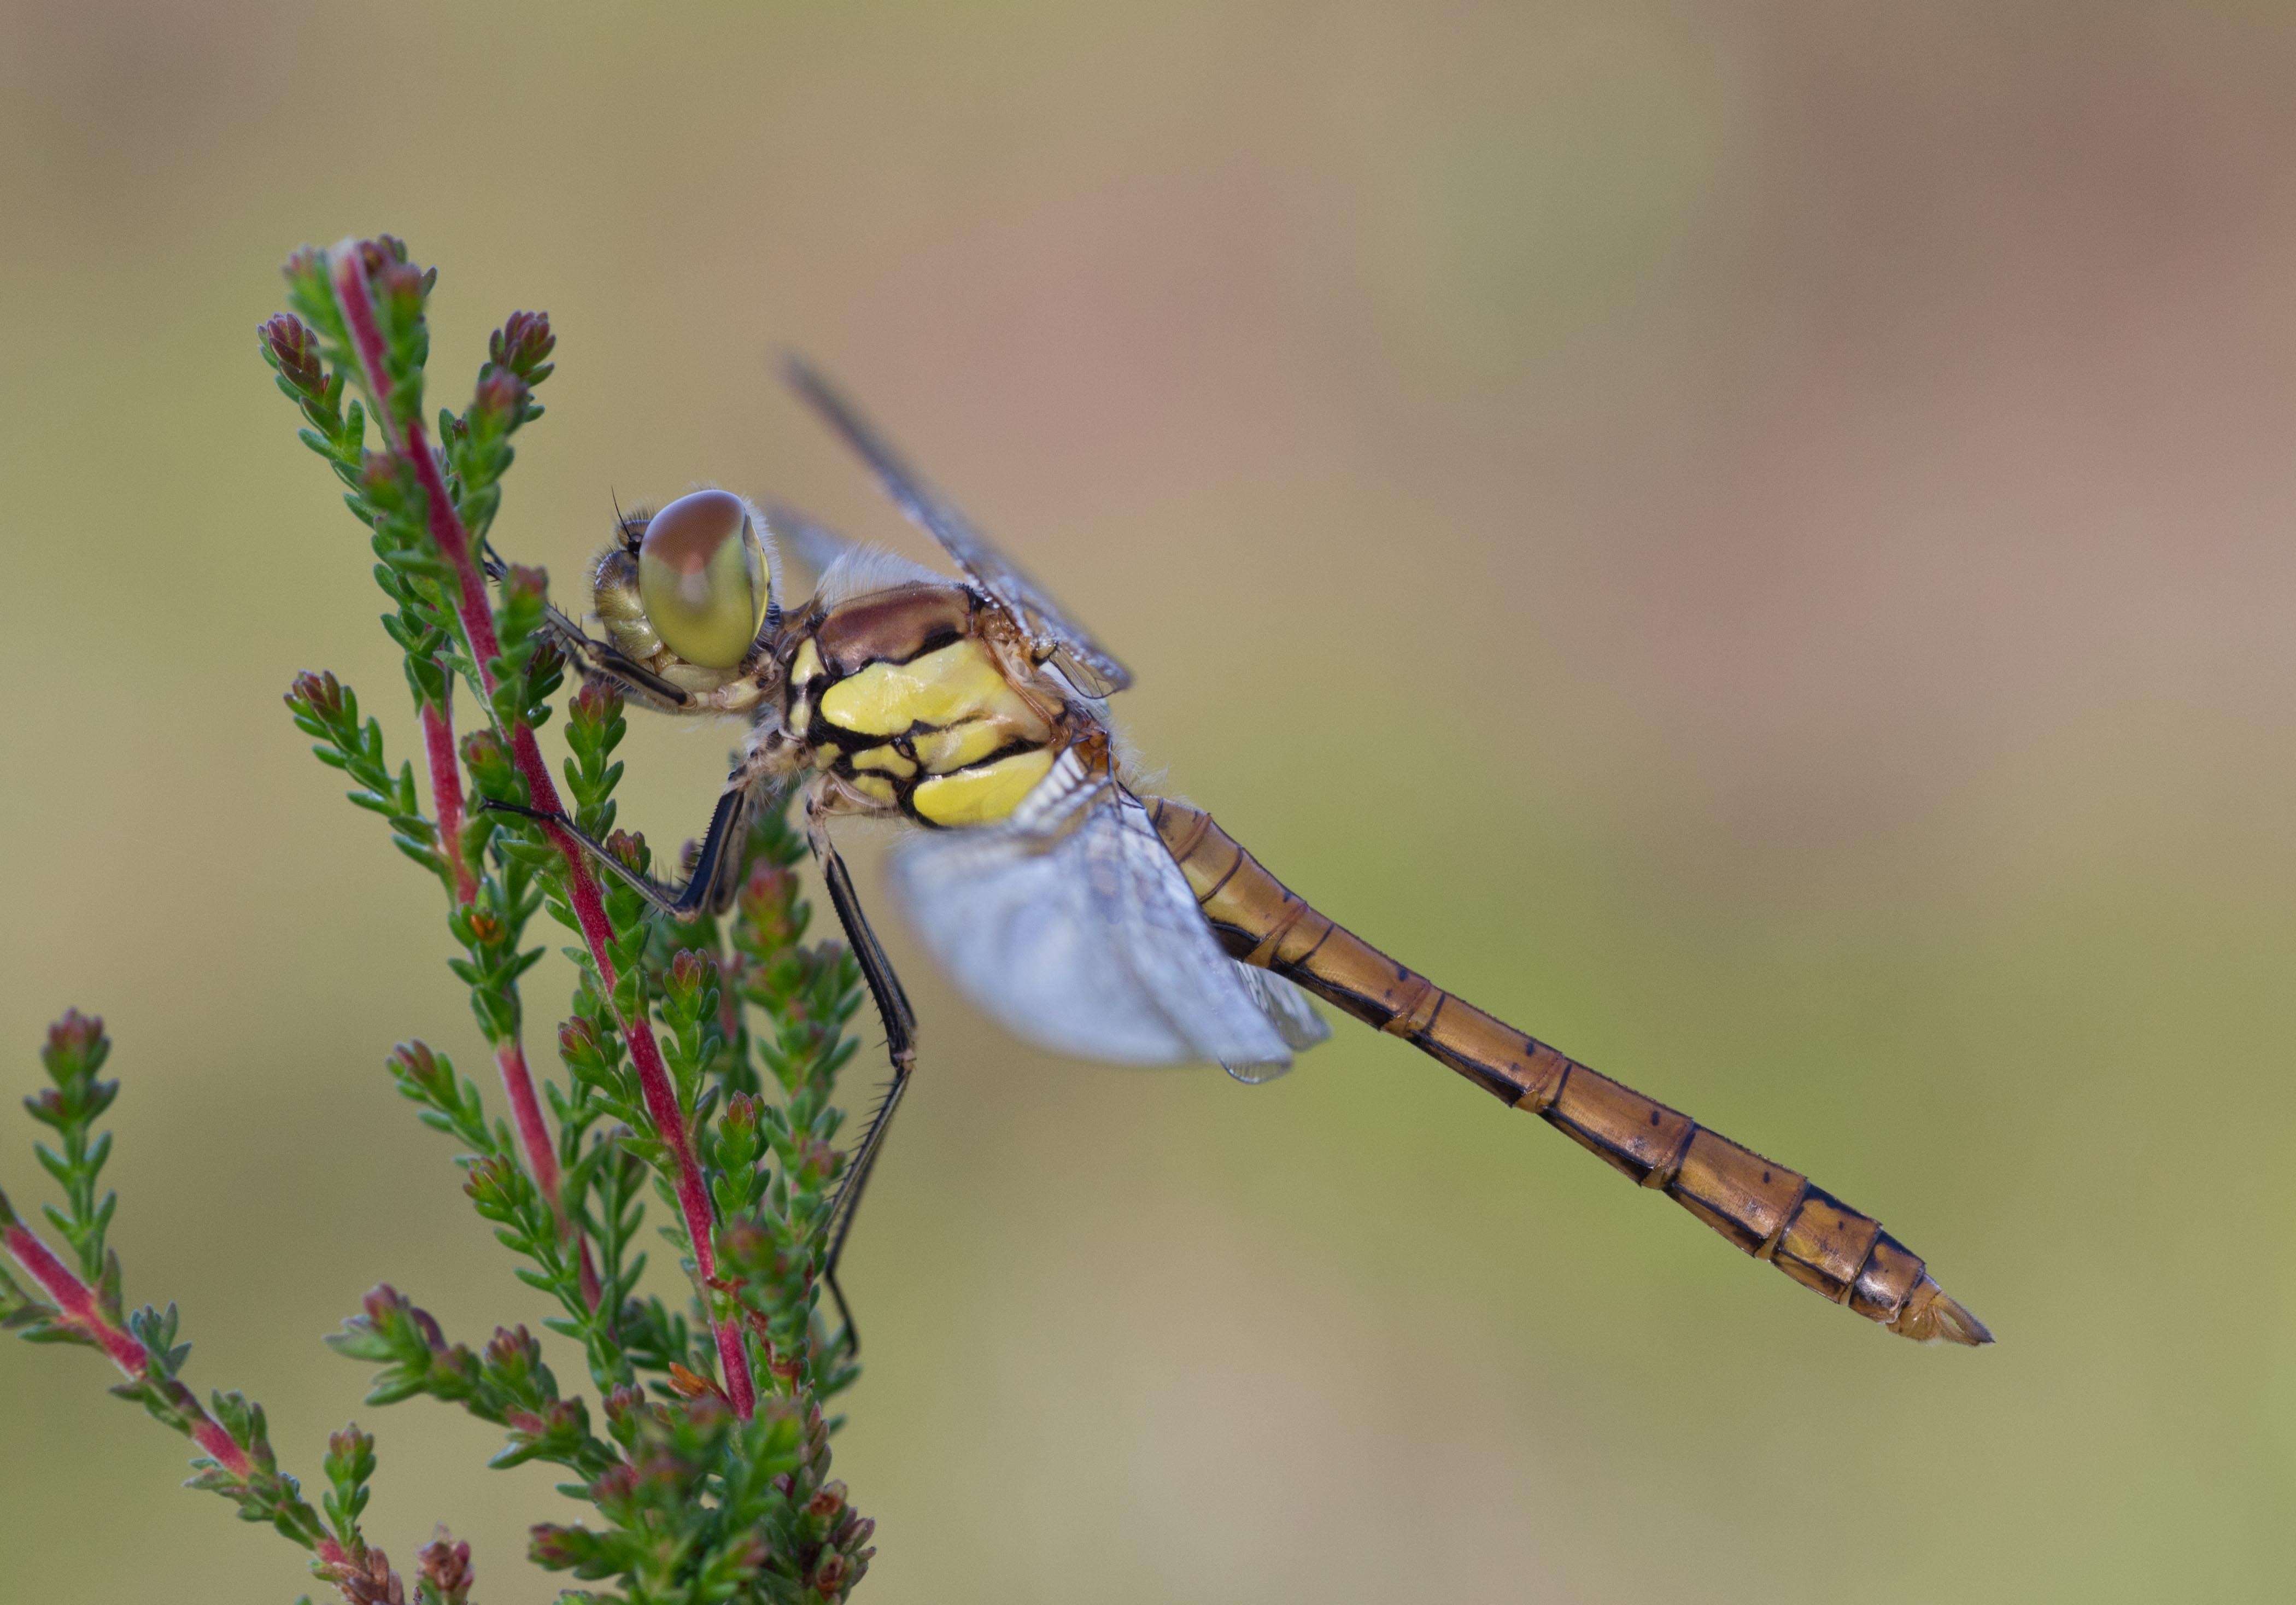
x: 900, y: 1024
x: 715, y: 878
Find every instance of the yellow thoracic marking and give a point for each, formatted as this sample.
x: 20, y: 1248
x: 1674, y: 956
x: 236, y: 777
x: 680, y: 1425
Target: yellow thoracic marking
x: 875, y: 787
x: 800, y: 715
x: 807, y: 664
x: 981, y: 796
x: 957, y: 681
x: 942, y: 750
x: 886, y: 758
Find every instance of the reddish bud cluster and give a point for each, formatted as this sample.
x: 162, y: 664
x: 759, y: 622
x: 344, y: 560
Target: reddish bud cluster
x: 818, y: 1162
x: 502, y: 397
x: 321, y: 692
x: 513, y: 1351
x: 416, y: 1062
x: 445, y: 1566
x: 596, y: 702
x: 399, y: 289
x: 378, y: 255
x: 527, y: 582
x: 303, y: 262
x: 522, y: 344
x: 75, y: 1035
x: 768, y: 901
x: 294, y: 348
x: 689, y: 971
x: 577, y: 1038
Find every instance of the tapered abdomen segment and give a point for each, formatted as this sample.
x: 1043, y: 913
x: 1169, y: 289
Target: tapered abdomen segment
x: 1768, y: 1211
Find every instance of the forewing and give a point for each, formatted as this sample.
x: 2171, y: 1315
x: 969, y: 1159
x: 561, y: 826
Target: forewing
x: 808, y: 539
x: 1072, y: 926
x: 1088, y: 665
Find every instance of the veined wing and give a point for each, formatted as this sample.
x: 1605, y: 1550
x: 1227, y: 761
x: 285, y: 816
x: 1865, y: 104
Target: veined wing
x: 1088, y: 665
x: 843, y: 567
x: 1071, y: 926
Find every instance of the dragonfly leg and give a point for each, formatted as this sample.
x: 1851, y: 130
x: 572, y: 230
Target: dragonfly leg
x: 900, y: 1024
x: 679, y: 903
x: 605, y: 661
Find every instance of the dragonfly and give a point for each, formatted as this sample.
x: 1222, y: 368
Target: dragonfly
x: 1080, y: 910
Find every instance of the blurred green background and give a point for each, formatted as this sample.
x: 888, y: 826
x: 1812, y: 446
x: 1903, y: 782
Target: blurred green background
x: 1752, y: 541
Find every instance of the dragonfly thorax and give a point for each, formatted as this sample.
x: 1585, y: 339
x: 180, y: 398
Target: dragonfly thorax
x: 908, y: 702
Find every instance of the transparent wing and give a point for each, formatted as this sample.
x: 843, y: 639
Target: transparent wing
x: 808, y: 539
x: 1287, y: 1008
x: 843, y: 567
x: 1070, y: 925
x: 1088, y: 664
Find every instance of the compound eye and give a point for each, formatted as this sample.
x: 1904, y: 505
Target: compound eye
x: 704, y: 578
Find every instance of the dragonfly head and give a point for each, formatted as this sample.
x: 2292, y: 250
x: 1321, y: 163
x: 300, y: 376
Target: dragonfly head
x: 691, y: 591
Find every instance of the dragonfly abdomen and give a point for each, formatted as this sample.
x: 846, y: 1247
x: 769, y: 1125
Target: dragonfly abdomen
x: 1767, y: 1210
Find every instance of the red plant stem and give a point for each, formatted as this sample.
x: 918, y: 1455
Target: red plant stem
x: 593, y: 1290
x: 533, y: 1135
x: 446, y: 791
x: 348, y: 266
x: 541, y: 1158
x: 76, y: 1306
x: 510, y: 1059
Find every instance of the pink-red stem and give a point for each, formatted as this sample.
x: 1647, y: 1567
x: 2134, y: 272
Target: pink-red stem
x: 348, y: 265
x: 446, y: 793
x: 533, y: 1135
x: 77, y: 1307
x: 510, y: 1059
x: 541, y: 1156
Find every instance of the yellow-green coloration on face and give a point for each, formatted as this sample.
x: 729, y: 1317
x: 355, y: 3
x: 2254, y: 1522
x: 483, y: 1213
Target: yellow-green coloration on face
x: 981, y: 796
x: 703, y: 577
x: 943, y: 687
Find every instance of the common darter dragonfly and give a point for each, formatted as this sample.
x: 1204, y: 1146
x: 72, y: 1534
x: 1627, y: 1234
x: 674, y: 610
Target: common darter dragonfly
x: 1078, y: 910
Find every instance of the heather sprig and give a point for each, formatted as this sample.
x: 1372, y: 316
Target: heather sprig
x: 328, y: 710
x: 508, y: 1383
x: 699, y: 1059
x: 84, y: 1306
x: 70, y: 1106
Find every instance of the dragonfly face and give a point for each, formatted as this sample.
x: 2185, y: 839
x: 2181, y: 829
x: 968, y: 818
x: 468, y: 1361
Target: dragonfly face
x: 1080, y: 913
x: 687, y: 597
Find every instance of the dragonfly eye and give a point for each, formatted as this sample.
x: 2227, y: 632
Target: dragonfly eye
x: 704, y: 578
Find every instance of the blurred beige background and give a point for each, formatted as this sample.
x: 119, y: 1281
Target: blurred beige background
x: 1753, y: 541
